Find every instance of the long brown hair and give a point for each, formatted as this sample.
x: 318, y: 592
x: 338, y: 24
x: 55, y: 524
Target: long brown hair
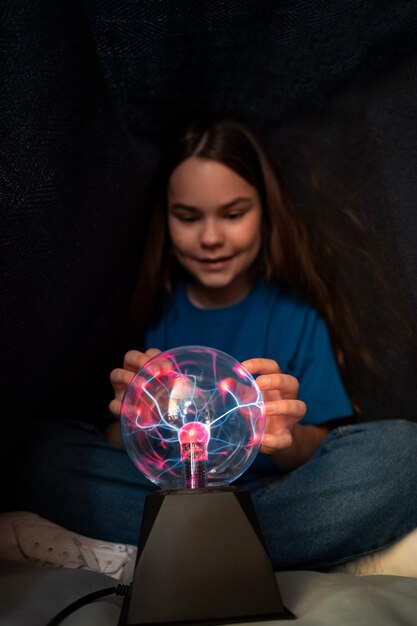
x: 289, y: 256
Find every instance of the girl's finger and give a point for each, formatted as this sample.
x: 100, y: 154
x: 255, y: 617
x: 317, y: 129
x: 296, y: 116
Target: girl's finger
x: 277, y: 441
x: 261, y: 366
x: 134, y: 359
x: 287, y: 385
x: 151, y: 352
x: 115, y: 406
x: 120, y: 378
x: 286, y: 407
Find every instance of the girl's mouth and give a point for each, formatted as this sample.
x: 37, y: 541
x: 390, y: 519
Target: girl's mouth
x: 217, y: 264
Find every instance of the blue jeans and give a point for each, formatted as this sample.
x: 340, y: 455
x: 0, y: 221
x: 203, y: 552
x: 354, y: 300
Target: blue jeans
x: 356, y: 495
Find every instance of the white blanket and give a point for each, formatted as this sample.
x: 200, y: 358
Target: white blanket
x: 31, y: 596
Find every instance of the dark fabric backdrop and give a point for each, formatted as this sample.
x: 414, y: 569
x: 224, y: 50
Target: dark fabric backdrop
x: 88, y: 92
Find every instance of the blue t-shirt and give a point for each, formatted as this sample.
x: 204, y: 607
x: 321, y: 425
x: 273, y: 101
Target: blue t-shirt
x: 269, y: 322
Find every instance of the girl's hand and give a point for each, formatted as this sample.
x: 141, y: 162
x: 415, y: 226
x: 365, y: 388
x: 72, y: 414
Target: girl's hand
x: 121, y: 377
x: 282, y: 408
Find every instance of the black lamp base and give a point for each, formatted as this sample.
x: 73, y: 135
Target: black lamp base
x: 201, y: 560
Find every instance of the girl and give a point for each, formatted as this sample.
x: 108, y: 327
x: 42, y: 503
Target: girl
x: 229, y: 264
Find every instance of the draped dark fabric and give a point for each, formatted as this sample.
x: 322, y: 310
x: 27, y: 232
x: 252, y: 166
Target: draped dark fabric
x: 89, y: 91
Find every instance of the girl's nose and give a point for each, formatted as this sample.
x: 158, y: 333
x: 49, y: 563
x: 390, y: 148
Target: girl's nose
x: 211, y: 234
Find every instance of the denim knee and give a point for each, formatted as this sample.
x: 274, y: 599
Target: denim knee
x: 382, y: 454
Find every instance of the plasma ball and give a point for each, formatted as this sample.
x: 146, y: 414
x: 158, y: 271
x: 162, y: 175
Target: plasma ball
x: 191, y: 418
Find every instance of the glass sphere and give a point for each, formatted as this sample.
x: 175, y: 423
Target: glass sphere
x: 192, y: 417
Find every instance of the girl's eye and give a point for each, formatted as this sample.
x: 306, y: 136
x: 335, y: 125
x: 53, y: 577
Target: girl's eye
x: 187, y: 218
x: 234, y: 216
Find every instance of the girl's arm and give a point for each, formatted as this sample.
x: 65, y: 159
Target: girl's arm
x: 305, y: 440
x: 289, y: 443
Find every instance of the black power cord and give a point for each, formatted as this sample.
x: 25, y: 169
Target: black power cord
x: 120, y: 590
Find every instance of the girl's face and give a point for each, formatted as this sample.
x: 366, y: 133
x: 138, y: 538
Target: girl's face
x: 214, y: 220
